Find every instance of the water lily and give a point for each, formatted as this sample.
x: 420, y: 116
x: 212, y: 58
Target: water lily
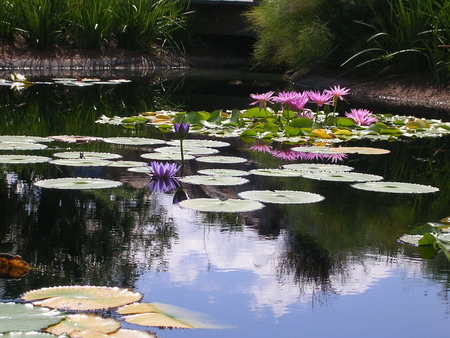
x: 321, y: 98
x: 16, y: 77
x: 362, y: 117
x: 298, y: 101
x: 181, y: 130
x: 338, y: 93
x: 164, y: 170
x: 262, y: 99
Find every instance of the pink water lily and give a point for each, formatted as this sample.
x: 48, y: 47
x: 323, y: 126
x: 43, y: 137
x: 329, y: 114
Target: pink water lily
x: 362, y: 117
x: 338, y: 92
x: 298, y: 101
x: 262, y: 99
x: 321, y: 98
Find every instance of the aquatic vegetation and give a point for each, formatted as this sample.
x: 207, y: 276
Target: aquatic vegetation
x: 281, y: 196
x: 12, y: 266
x: 77, y: 183
x: 164, y: 170
x: 217, y: 205
x: 362, y: 117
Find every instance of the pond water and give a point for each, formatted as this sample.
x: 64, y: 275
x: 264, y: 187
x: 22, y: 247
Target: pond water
x: 333, y: 268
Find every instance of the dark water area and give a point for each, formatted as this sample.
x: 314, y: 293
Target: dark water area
x: 333, y: 268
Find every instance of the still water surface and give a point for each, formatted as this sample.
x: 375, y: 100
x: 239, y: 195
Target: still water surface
x: 333, y: 268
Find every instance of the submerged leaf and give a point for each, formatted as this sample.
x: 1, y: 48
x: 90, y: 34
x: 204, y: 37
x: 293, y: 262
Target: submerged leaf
x: 82, y: 297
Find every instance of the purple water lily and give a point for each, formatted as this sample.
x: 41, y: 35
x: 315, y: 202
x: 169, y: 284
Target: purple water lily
x: 181, y: 130
x: 164, y: 170
x: 362, y: 117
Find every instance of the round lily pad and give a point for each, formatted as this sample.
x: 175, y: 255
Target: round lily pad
x: 396, y: 187
x: 317, y: 167
x: 144, y: 169
x: 133, y: 141
x: 223, y: 172
x: 216, y: 205
x: 128, y: 333
x: 23, y: 159
x: 281, y: 196
x: 27, y: 334
x: 361, y: 150
x: 21, y: 146
x: 77, y: 183
x: 87, y: 155
x: 200, y: 143
x: 342, y: 176
x: 20, y: 138
x: 221, y: 159
x: 82, y: 297
x: 85, y: 321
x: 81, y: 162
x: 410, y: 239
x: 315, y: 150
x: 166, y: 157
x: 26, y: 317
x: 214, y: 180
x: 187, y: 150
x: 127, y: 164
x: 276, y: 172
x: 76, y: 139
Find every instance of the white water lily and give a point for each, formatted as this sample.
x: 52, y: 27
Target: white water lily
x: 16, y: 77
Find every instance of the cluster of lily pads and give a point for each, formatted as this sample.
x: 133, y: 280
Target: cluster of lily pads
x: 56, y: 311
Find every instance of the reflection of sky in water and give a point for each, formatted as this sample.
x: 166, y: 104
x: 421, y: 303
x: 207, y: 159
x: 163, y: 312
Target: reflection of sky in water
x: 232, y: 276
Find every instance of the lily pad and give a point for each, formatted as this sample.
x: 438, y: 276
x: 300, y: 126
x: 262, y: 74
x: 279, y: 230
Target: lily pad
x: 276, y: 172
x: 27, y: 139
x: 26, y: 317
x: 410, y: 239
x: 317, y: 167
x: 82, y: 297
x: 81, y: 162
x: 138, y: 141
x: 187, y: 150
x: 342, y: 176
x: 315, y: 150
x: 216, y: 205
x: 127, y: 333
x: 144, y: 169
x: 12, y: 266
x: 223, y: 172
x: 77, y: 183
x: 76, y: 139
x: 200, y: 143
x: 221, y: 159
x: 21, y: 146
x: 164, y: 315
x: 281, y: 196
x: 166, y: 157
x: 214, y: 180
x: 127, y: 164
x: 360, y: 150
x: 23, y: 159
x: 83, y: 321
x: 27, y: 334
x: 396, y: 187
x: 87, y: 155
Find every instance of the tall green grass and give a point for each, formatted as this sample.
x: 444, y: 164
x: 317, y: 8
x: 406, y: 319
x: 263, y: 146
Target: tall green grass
x: 7, y: 18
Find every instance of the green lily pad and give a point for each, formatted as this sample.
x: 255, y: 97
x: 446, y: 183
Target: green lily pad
x: 27, y: 139
x: 214, y: 180
x: 187, y: 150
x: 27, y: 334
x: 82, y: 298
x: 127, y: 164
x: 396, y: 187
x: 139, y: 141
x: 315, y: 150
x: 221, y: 159
x: 360, y: 150
x: 216, y: 205
x: 317, y: 167
x: 166, y: 157
x: 87, y: 155
x: 146, y: 170
x: 26, y: 317
x: 83, y: 321
x: 342, y: 176
x: 168, y: 316
x: 276, y: 172
x: 200, y: 143
x: 81, y: 163
x: 281, y: 196
x: 128, y: 333
x: 21, y: 146
x: 23, y: 159
x: 410, y: 239
x: 223, y: 172
x: 77, y: 183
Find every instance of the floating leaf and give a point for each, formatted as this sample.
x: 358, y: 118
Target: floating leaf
x: 223, y: 172
x: 164, y: 315
x: 76, y: 139
x: 281, y: 196
x: 315, y: 150
x: 221, y: 159
x: 87, y: 155
x: 81, y: 163
x: 77, y: 183
x: 395, y: 187
x: 145, y: 169
x: 200, y: 143
x: 27, y: 334
x: 216, y: 205
x: 317, y: 167
x: 127, y: 333
x: 276, y: 172
x: 82, y: 297
x: 133, y: 141
x: 12, y: 266
x: 166, y: 157
x: 89, y: 322
x: 23, y: 159
x: 27, y: 139
x: 410, y: 239
x: 187, y: 150
x: 342, y: 176
x: 214, y: 180
x: 360, y: 150
x: 21, y: 146
x: 26, y: 317
x: 127, y: 164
